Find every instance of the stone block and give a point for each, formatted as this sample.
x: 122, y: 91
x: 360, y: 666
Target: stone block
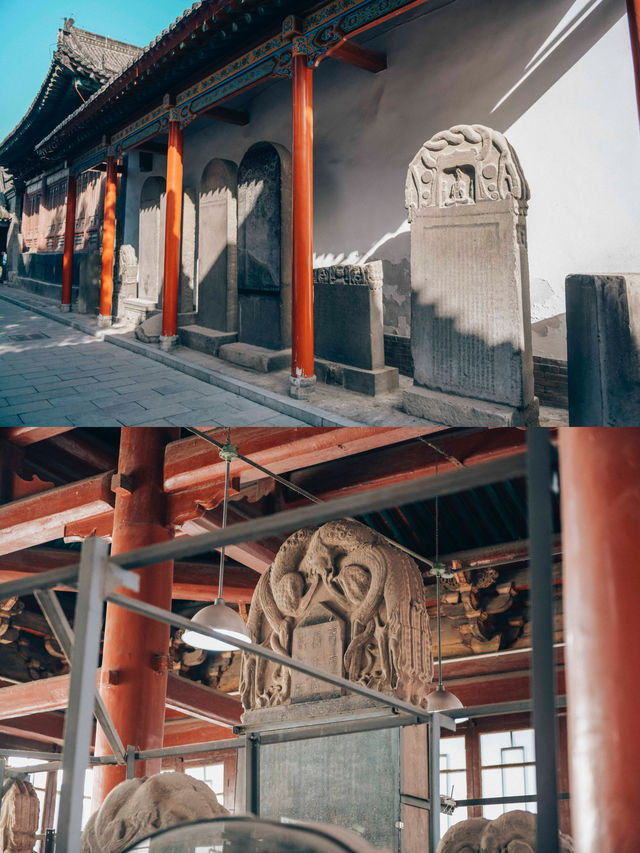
x: 204, y: 340
x: 603, y: 349
x: 136, y: 309
x: 347, y: 315
x: 262, y: 359
x: 442, y: 408
x: 369, y: 382
x: 470, y: 315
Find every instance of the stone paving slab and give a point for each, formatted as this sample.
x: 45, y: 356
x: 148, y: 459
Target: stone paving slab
x: 69, y: 378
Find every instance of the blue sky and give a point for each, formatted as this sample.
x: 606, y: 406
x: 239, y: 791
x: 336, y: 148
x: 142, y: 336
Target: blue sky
x: 28, y: 44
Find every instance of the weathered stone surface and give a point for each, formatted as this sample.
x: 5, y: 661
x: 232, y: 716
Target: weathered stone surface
x: 345, y: 573
x: 138, y: 807
x: 19, y: 818
x: 127, y: 272
x: 369, y: 382
x: 264, y: 246
x: 603, y: 349
x: 463, y: 837
x: 205, y: 340
x: 470, y: 314
x: 511, y: 832
x: 347, y: 315
x: 151, y: 238
x: 188, y: 251
x: 465, y: 411
x: 257, y: 358
x: 149, y: 330
x: 217, y: 247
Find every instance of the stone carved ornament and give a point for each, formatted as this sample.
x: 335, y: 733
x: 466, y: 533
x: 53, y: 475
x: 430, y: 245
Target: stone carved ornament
x: 137, y: 808
x: 375, y: 590
x: 512, y: 832
x: 19, y: 818
x: 467, y: 164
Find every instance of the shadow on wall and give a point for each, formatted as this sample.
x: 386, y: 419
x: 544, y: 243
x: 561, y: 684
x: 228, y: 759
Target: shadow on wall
x: 151, y: 239
x: 480, y: 61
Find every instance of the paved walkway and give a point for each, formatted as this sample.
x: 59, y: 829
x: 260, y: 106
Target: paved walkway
x: 53, y: 375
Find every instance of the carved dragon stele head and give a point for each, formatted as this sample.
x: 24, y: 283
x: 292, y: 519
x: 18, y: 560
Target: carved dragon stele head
x: 345, y: 573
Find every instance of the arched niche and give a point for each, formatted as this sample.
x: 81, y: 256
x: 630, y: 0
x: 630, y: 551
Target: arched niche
x: 218, y: 246
x: 151, y: 238
x: 264, y: 246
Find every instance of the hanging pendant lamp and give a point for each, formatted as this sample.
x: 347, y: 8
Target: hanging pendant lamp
x: 440, y: 699
x: 219, y: 615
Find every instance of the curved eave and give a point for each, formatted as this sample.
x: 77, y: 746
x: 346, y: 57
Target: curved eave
x: 211, y: 32
x: 56, y: 96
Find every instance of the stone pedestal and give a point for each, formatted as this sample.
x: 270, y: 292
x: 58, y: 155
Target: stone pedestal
x: 203, y: 339
x: 348, y: 328
x: 470, y: 315
x: 138, y: 309
x: 262, y: 359
x: 603, y: 349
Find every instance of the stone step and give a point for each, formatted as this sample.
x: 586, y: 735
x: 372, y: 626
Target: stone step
x: 255, y: 358
x: 203, y: 339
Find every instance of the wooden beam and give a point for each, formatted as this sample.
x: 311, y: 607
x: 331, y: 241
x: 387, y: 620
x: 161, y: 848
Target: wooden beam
x: 23, y: 436
x: 224, y: 114
x: 255, y: 555
x: 186, y: 730
x: 43, y: 517
x: 193, y: 461
x: 192, y: 581
x: 47, y: 727
x: 361, y: 57
x: 202, y: 702
x: 189, y: 697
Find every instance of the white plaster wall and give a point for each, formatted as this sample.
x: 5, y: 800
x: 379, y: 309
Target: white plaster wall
x: 555, y: 75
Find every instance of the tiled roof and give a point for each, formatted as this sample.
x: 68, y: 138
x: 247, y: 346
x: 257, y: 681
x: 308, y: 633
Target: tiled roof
x: 99, y: 55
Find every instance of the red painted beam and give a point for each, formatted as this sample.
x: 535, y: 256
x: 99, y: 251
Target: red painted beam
x: 193, y: 461
x: 173, y: 214
x: 44, y: 516
x: 202, y: 702
x: 191, y: 581
x: 47, y: 727
x: 34, y: 697
x: 108, y: 243
x: 23, y: 436
x: 360, y: 57
x: 69, y: 231
x: 187, y: 730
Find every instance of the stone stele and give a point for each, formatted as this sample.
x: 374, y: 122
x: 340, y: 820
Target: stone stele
x: 343, y: 599
x: 470, y: 314
x: 19, y: 818
x: 137, y: 808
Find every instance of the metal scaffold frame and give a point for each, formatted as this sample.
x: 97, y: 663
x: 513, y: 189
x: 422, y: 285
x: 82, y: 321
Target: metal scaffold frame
x: 97, y: 576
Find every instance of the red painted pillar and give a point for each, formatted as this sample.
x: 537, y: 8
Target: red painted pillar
x: 172, y: 237
x: 303, y: 379
x: 633, y: 10
x: 600, y: 488
x: 69, y: 231
x: 108, y: 243
x: 135, y: 650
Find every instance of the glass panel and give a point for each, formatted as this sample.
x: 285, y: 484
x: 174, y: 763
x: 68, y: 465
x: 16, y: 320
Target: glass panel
x: 513, y: 755
x: 491, y: 745
x: 525, y: 739
x: 453, y: 749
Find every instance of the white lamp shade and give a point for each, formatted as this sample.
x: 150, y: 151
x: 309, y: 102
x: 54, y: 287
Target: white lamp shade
x: 221, y: 618
x: 442, y: 700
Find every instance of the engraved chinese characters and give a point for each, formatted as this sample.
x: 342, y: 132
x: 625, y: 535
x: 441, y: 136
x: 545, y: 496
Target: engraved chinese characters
x: 343, y: 599
x: 467, y: 200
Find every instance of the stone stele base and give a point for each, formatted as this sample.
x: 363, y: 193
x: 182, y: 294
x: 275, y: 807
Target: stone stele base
x: 369, y: 382
x: 257, y: 358
x: 453, y: 410
x: 205, y: 340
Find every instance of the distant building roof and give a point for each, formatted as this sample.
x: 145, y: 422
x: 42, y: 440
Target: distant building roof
x: 81, y: 64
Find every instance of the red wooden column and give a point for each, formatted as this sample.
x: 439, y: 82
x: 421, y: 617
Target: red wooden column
x: 135, y: 650
x: 303, y: 379
x: 172, y: 237
x: 69, y: 231
x: 600, y: 489
x: 108, y: 243
x: 633, y: 10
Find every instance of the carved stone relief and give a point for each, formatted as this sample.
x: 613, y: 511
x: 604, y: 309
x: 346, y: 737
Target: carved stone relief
x: 19, y: 818
x: 343, y: 599
x: 464, y: 165
x: 512, y: 832
x: 138, y: 807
